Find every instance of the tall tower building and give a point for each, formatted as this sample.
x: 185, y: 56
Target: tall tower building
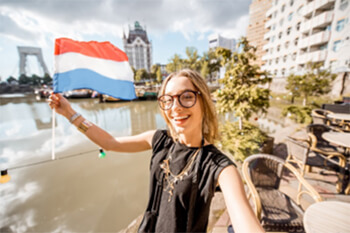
x: 138, y: 48
x: 256, y: 28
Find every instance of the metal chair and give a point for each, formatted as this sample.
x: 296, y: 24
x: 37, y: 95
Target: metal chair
x: 275, y: 210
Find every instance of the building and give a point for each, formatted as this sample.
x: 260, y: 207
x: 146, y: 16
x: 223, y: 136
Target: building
x: 302, y: 31
x: 256, y: 28
x: 215, y: 41
x: 138, y: 48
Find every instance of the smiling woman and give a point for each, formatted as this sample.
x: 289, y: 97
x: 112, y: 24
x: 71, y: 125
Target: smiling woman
x: 185, y: 166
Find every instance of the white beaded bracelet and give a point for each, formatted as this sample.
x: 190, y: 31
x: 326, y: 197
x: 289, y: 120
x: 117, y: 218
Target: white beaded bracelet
x: 74, y: 117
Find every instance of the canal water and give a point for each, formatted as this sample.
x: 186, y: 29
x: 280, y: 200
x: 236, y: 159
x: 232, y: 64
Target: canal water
x: 77, y: 192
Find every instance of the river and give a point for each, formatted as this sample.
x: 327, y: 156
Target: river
x: 78, y: 191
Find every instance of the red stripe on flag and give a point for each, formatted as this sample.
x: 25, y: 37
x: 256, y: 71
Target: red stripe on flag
x: 104, y: 50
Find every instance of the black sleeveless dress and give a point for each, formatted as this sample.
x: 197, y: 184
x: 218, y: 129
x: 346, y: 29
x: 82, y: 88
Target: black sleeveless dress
x: 188, y: 209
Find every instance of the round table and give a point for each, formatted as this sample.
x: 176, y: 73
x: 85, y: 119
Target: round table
x: 339, y: 116
x: 338, y: 138
x: 328, y: 217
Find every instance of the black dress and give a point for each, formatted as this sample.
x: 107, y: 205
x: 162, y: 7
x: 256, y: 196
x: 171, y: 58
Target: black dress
x: 185, y: 212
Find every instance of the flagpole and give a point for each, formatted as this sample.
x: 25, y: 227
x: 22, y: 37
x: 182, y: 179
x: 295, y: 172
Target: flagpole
x: 53, y: 134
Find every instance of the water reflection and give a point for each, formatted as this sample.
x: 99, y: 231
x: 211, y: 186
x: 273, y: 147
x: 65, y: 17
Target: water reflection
x: 81, y: 193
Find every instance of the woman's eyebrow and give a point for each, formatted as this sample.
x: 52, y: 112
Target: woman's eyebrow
x: 179, y: 92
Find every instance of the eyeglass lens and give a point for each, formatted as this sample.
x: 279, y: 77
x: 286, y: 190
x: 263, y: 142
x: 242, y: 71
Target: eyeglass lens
x: 186, y: 99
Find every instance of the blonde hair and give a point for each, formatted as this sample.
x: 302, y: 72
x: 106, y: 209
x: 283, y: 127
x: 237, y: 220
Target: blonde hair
x: 210, y: 122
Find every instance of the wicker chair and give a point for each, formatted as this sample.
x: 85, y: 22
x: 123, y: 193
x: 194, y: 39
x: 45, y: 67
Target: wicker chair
x: 299, y: 153
x: 319, y: 116
x: 275, y: 210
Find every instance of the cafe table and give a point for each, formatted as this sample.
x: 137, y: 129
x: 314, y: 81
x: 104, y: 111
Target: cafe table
x: 327, y: 217
x: 339, y: 116
x: 339, y: 138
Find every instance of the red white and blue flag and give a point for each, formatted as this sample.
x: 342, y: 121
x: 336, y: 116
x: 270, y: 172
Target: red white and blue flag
x: 99, y: 66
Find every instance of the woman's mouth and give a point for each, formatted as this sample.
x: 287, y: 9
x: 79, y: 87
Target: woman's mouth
x: 179, y: 120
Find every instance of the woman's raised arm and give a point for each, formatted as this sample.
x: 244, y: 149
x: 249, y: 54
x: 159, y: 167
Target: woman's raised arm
x: 97, y: 135
x: 241, y: 214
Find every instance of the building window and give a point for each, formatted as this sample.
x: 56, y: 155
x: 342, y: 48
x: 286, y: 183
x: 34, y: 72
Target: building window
x: 272, y: 38
x: 324, y: 47
x: 343, y: 4
x: 286, y: 45
x: 270, y: 61
x: 283, y: 71
x: 271, y: 50
x: 297, y: 26
x: 283, y: 8
x: 294, y: 56
x: 336, y: 45
x: 284, y: 58
x: 275, y: 72
x: 281, y: 22
x: 291, y: 2
x: 290, y: 16
x: 276, y: 60
x: 279, y: 35
x: 274, y: 14
x: 276, y: 2
x: 273, y: 27
x: 278, y: 48
x: 340, y: 25
x: 296, y: 41
x: 288, y: 30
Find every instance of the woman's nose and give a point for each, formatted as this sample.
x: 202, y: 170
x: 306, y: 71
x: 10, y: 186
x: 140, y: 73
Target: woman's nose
x: 176, y: 104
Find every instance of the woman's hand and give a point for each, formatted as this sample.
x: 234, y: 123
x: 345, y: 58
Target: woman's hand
x: 61, y: 105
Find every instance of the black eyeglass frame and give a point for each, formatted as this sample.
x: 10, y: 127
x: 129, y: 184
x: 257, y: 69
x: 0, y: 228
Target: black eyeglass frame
x: 179, y: 99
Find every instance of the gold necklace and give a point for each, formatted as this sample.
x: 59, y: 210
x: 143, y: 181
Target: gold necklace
x: 171, y: 178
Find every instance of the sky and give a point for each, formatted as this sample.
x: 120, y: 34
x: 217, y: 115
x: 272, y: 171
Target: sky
x: 172, y: 25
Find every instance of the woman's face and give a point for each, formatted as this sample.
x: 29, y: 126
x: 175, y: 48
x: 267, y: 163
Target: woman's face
x: 186, y: 121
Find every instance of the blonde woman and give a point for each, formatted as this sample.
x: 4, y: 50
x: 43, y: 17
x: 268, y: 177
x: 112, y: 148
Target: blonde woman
x: 185, y: 166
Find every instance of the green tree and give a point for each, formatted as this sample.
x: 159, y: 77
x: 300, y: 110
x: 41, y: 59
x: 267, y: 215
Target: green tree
x: 159, y: 75
x: 242, y: 91
x: 11, y: 79
x: 214, y: 63
x: 193, y: 59
x: 141, y: 74
x: 243, y: 94
x: 23, y: 79
x: 47, y: 79
x: 175, y: 64
x: 315, y: 82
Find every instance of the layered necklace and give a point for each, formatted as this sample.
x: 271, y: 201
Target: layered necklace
x: 170, y: 178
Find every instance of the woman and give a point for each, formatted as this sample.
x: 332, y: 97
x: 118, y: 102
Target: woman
x: 185, y: 166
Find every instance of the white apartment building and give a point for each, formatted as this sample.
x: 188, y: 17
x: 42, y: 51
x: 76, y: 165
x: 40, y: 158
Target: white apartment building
x: 138, y: 48
x: 301, y: 31
x: 215, y: 41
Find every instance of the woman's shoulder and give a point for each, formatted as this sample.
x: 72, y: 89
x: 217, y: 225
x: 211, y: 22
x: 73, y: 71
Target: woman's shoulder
x: 160, y: 137
x: 216, y: 156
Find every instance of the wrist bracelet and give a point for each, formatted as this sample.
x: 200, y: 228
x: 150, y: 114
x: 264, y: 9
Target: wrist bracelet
x: 84, y: 126
x: 74, y: 117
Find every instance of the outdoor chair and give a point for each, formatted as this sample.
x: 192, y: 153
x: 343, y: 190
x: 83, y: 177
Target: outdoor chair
x: 275, y: 210
x: 320, y: 145
x: 299, y: 154
x: 319, y: 116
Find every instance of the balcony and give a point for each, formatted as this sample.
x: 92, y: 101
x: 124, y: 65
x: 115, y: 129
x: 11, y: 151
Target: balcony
x: 267, y: 35
x: 315, y: 5
x: 322, y: 20
x: 316, y: 39
x: 269, y: 12
x: 316, y: 56
x: 269, y: 23
x: 266, y: 47
x: 305, y: 26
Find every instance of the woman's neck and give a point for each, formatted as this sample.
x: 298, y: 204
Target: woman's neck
x: 191, y: 141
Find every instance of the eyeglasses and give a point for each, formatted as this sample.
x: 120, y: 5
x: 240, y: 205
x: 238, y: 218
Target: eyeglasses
x: 187, y: 99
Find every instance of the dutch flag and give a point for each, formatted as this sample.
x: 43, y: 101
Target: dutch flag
x: 99, y: 66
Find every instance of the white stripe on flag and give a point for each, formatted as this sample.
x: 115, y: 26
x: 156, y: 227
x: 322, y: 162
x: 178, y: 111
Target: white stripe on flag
x: 111, y: 69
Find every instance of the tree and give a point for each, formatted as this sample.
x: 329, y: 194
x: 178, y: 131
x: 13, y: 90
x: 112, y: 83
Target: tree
x: 47, y: 79
x: 193, y: 60
x: 159, y: 75
x: 175, y: 64
x: 11, y: 80
x: 315, y: 82
x: 141, y: 74
x: 242, y: 94
x: 242, y: 91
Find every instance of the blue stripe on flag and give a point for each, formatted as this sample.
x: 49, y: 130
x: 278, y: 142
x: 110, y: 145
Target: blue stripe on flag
x: 88, y: 79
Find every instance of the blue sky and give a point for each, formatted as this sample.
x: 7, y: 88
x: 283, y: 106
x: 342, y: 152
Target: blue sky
x: 172, y: 25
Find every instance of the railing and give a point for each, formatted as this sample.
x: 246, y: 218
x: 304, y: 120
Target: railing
x: 315, y: 5
x: 318, y: 38
x: 316, y: 56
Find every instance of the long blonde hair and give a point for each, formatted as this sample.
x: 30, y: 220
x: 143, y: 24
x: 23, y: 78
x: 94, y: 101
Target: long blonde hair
x: 210, y: 123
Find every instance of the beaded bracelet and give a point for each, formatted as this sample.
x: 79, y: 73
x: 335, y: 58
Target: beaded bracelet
x: 74, y: 117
